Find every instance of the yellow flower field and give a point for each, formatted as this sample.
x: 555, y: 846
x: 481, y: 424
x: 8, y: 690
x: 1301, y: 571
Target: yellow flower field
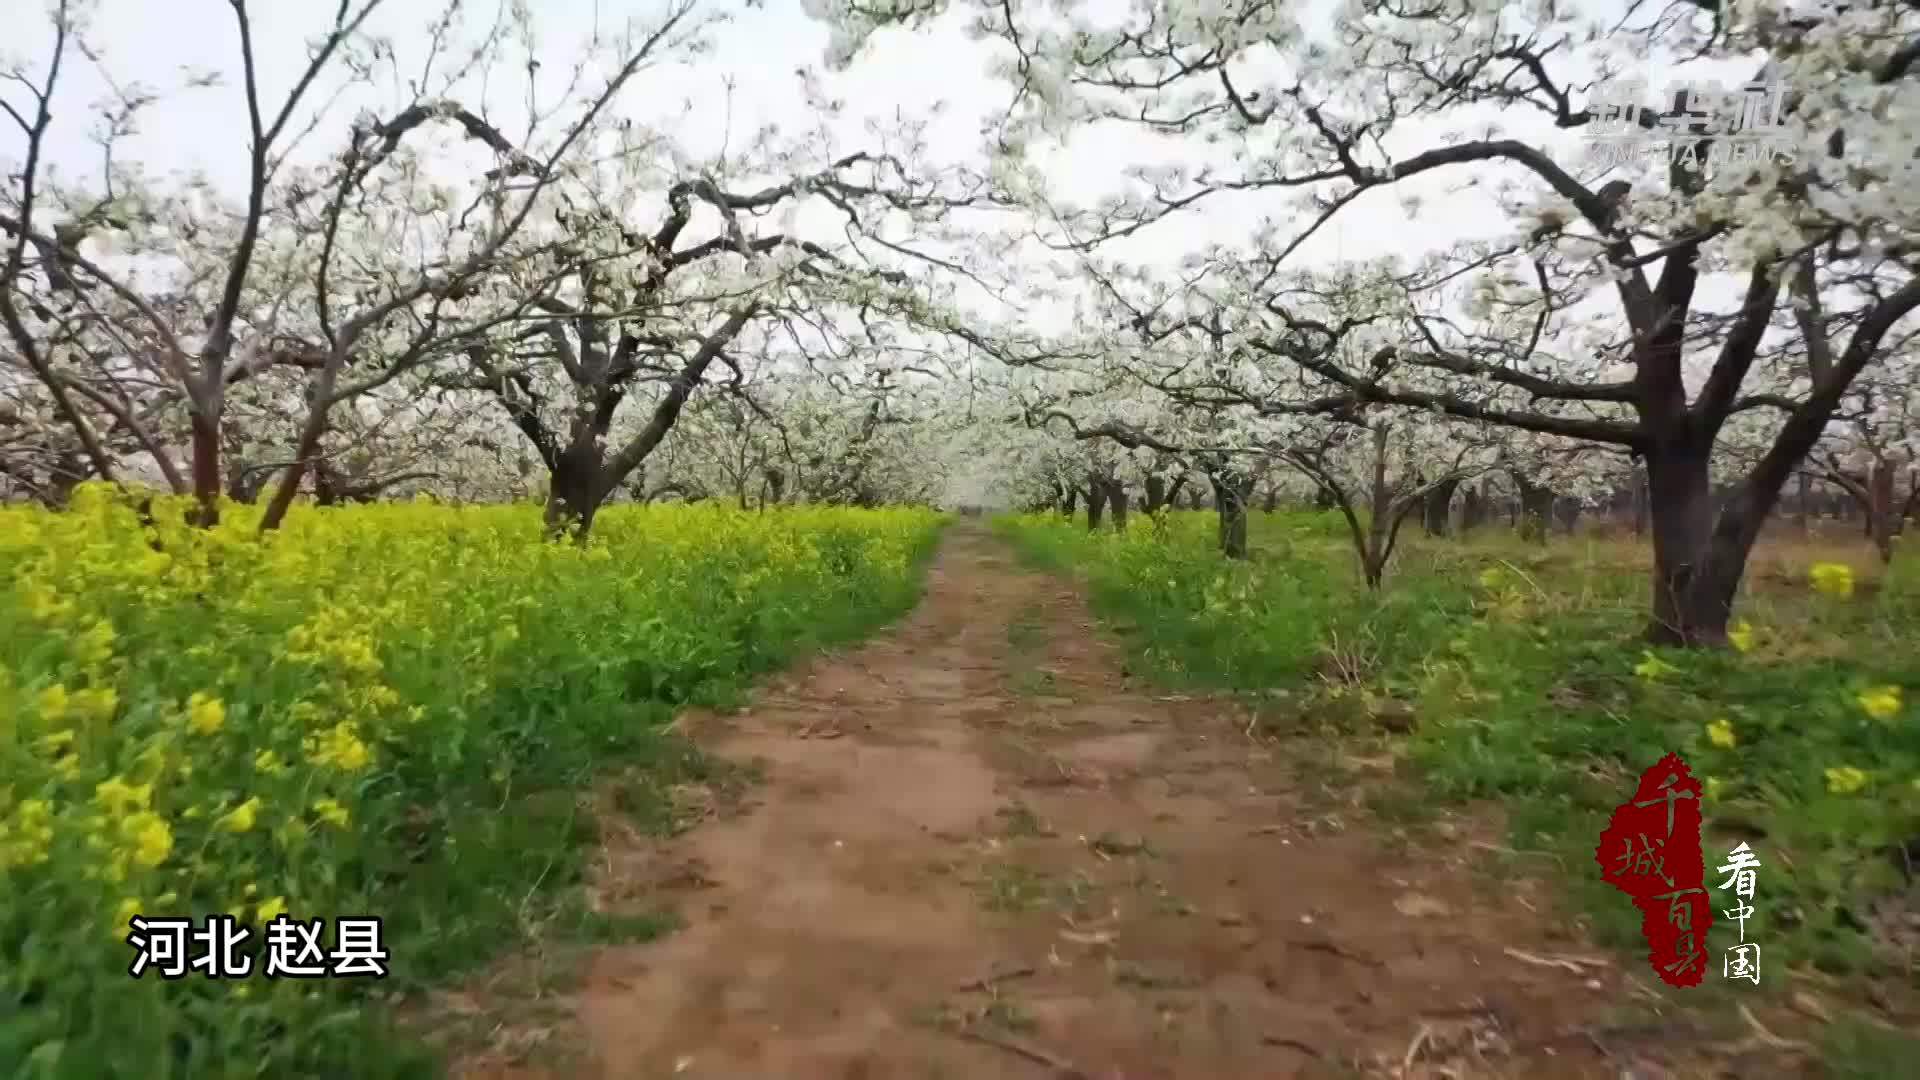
x: 343, y: 718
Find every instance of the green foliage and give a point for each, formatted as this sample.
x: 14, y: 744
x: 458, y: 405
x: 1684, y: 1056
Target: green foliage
x: 389, y: 710
x: 1529, y: 682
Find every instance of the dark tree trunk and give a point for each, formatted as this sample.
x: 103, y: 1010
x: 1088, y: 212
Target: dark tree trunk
x: 1536, y: 508
x: 1117, y: 503
x: 1069, y: 500
x: 574, y: 495
x: 1437, y: 507
x: 1156, y: 495
x: 1230, y: 493
x: 1805, y: 504
x: 326, y: 488
x: 1880, y: 511
x: 1473, y: 509
x: 1273, y: 500
x: 1696, y: 566
x: 243, y: 485
x: 1174, y: 489
x: 1096, y: 503
x: 206, y: 470
x: 1567, y: 513
x: 1323, y: 499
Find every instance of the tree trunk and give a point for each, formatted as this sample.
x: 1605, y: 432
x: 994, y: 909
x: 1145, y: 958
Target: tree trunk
x: 1273, y: 499
x: 1373, y: 569
x: 243, y: 485
x: 1323, y: 499
x: 206, y: 470
x: 1805, y: 504
x: 1695, y: 571
x: 573, y: 495
x: 1156, y: 494
x: 1567, y: 513
x: 1880, y: 511
x: 1096, y: 503
x: 1536, y: 508
x: 1437, y: 506
x: 326, y: 489
x: 1473, y: 509
x: 1230, y: 494
x: 1117, y: 502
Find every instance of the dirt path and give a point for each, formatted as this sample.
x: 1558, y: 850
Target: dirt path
x: 978, y: 852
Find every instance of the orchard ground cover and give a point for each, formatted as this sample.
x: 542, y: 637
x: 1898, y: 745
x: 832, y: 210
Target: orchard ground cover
x: 387, y: 710
x: 1494, y: 669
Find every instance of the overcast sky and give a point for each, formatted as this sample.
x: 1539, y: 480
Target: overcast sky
x: 150, y: 44
x: 936, y: 73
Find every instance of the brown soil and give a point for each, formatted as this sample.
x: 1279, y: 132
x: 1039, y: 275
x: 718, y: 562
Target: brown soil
x: 977, y: 852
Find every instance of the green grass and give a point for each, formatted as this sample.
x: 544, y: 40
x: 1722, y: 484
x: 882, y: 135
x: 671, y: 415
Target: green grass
x: 1528, y: 683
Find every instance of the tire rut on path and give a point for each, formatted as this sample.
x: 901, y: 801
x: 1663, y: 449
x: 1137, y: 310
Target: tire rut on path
x: 977, y: 852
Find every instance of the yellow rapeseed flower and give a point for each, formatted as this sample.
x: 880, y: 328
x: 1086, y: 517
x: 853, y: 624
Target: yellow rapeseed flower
x: 119, y: 798
x: 151, y: 837
x: 1652, y: 667
x: 339, y: 748
x: 96, y: 645
x: 52, y: 704
x: 240, y: 818
x: 269, y: 762
x: 1845, y: 780
x: 1740, y: 636
x: 124, y: 914
x: 1832, y: 579
x: 97, y: 703
x: 1720, y: 733
x: 331, y: 812
x: 26, y: 839
x: 270, y: 907
x: 205, y: 714
x: 1880, y: 702
x: 44, y: 604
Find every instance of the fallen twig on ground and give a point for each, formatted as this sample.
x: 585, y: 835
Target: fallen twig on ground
x: 990, y: 980
x: 1576, y: 964
x: 1328, y: 947
x: 1062, y: 1070
x: 1293, y: 1044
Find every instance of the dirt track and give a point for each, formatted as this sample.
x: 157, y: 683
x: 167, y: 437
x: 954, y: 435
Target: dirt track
x: 978, y: 852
